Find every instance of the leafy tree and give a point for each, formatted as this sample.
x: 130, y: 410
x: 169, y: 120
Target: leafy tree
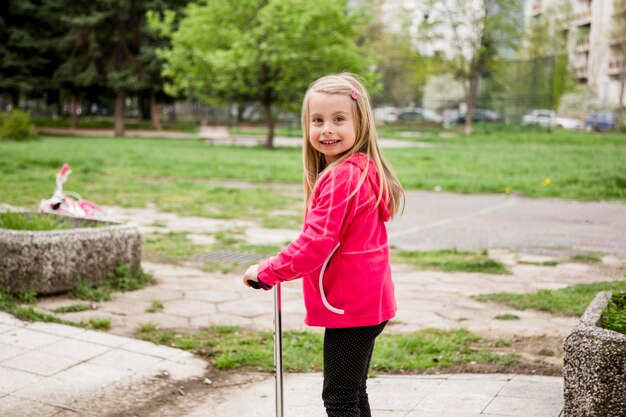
x: 476, y: 32
x: 266, y: 51
x: 403, y: 70
x: 24, y: 59
x: 547, y: 36
x: 107, y: 44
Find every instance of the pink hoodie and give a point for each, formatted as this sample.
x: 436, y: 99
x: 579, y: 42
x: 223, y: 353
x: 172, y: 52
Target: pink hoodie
x: 342, y: 253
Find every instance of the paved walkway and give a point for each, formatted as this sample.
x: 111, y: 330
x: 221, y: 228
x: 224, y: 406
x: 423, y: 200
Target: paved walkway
x: 48, y: 369
x: 463, y: 395
x: 51, y: 370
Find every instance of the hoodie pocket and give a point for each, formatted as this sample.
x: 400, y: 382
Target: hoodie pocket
x: 321, y: 283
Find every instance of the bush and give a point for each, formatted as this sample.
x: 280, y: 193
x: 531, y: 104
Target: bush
x: 16, y: 125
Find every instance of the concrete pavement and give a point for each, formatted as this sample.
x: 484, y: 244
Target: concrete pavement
x: 52, y: 370
x: 47, y: 369
x: 434, y: 220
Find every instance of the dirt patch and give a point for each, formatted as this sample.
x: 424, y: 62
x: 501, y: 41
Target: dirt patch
x: 177, y: 399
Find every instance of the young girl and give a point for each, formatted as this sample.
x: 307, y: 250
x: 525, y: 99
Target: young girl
x: 342, y: 253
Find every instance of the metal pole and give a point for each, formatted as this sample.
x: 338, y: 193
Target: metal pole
x: 278, y: 351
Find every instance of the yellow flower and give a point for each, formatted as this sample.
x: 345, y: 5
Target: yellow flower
x: 507, y: 190
x: 545, y: 182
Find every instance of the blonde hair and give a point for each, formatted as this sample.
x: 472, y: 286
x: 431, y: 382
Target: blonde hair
x: 366, y: 140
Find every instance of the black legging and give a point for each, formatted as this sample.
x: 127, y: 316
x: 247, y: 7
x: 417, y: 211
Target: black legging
x: 347, y: 356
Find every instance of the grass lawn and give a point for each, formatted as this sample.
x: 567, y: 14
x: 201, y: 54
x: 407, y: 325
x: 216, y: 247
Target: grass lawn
x: 451, y: 260
x: 176, y: 175
x: 230, y: 347
x: 570, y: 301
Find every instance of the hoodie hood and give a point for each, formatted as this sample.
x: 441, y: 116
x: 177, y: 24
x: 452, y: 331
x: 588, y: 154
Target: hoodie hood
x: 363, y: 162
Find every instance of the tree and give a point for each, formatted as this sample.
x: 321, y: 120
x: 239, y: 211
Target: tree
x: 547, y: 36
x: 402, y: 69
x: 23, y: 56
x: 107, y: 44
x: 476, y: 31
x: 266, y: 51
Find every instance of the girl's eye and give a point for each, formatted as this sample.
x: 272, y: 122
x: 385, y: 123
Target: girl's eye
x: 317, y: 120
x: 340, y: 119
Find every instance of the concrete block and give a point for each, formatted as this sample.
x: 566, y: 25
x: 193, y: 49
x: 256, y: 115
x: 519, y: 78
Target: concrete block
x: 52, y: 261
x: 594, y: 368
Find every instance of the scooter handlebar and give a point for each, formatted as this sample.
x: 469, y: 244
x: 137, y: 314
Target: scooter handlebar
x: 254, y: 284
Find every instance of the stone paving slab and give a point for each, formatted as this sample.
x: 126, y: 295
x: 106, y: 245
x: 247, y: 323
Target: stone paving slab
x: 48, y: 369
x: 467, y: 395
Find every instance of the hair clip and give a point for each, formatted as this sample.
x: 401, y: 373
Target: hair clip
x: 353, y: 95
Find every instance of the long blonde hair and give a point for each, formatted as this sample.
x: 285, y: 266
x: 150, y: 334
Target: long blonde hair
x: 366, y: 140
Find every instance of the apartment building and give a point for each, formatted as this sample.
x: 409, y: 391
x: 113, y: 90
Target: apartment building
x: 595, y: 31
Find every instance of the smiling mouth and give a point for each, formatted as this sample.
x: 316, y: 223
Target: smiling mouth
x: 329, y: 142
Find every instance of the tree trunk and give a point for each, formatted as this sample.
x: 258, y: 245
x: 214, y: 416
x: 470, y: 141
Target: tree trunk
x: 15, y: 99
x: 74, y: 111
x: 622, y: 82
x: 269, y: 120
x: 154, y: 112
x: 119, y: 112
x: 472, y: 96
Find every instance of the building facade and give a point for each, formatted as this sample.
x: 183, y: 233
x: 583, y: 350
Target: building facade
x: 595, y: 32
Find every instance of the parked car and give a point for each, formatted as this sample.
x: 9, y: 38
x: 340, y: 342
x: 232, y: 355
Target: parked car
x: 548, y: 118
x: 419, y: 114
x: 601, y: 121
x: 386, y: 114
x: 543, y: 118
x: 569, y: 123
x: 482, y: 115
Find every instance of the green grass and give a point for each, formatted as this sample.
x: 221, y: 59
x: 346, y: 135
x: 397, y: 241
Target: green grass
x: 74, y: 308
x: 39, y: 222
x: 452, y: 260
x: 261, y: 132
x: 590, y: 257
x: 177, y: 246
x: 231, y: 348
x: 176, y: 175
x: 521, y: 161
x: 100, y: 323
x: 614, y: 316
x: 148, y: 327
x: 542, y: 263
x: 107, y: 123
x: 155, y: 305
x: 11, y: 305
x: 570, y: 301
x: 174, y: 245
x: 507, y: 316
x: 119, y: 280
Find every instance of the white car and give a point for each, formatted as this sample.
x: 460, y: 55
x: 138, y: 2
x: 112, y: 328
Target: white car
x: 568, y: 123
x: 543, y: 118
x: 548, y: 118
x: 386, y: 114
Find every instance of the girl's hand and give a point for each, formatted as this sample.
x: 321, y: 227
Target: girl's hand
x: 251, y: 275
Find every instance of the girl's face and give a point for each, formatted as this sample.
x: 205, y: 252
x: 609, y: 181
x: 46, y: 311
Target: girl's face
x: 331, y: 124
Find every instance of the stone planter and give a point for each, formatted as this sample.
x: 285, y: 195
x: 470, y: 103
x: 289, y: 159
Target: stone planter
x: 594, y: 369
x: 53, y: 261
